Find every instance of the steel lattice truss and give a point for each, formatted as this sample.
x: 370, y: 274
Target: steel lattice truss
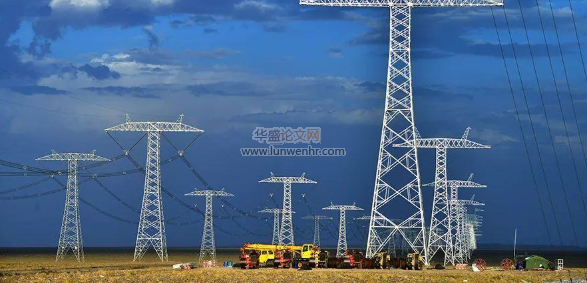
x: 151, y: 230
x: 398, y: 127
x: 286, y: 235
x: 465, y: 239
x: 208, y: 247
x: 439, y: 233
x: 453, y: 252
x: 400, y: 3
x: 276, y: 212
x: 342, y: 243
x: 317, y: 219
x: 70, y: 237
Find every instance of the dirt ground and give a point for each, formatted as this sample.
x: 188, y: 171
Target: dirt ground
x: 119, y: 267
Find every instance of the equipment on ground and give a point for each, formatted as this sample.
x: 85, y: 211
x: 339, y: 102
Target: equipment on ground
x: 186, y: 265
x: 383, y: 260
x: 507, y: 264
x: 479, y: 265
x: 266, y: 255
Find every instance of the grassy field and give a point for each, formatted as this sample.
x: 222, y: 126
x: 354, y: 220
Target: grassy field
x: 119, y: 267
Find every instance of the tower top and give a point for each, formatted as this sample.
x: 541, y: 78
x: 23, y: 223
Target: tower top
x: 342, y: 207
x: 130, y: 126
x: 462, y: 142
x: 300, y: 180
x: 402, y: 3
x: 220, y: 193
x: 55, y: 156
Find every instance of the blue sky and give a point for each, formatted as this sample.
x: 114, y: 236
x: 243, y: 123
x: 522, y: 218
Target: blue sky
x: 71, y: 68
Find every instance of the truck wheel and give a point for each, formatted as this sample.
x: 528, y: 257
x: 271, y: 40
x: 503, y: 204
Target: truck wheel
x: 270, y: 263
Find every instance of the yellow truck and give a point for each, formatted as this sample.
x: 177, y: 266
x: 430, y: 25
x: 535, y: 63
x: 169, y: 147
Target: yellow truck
x: 266, y: 255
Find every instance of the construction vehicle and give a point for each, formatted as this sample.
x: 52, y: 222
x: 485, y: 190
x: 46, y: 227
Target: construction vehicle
x: 383, y: 260
x: 414, y: 261
x: 266, y: 255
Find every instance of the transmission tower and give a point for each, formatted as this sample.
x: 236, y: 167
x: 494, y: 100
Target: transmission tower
x: 208, y: 248
x: 70, y: 237
x: 398, y: 126
x: 342, y: 245
x: 151, y: 231
x: 439, y: 224
x: 317, y: 219
x: 451, y: 254
x: 286, y: 235
x: 276, y: 212
x: 463, y: 240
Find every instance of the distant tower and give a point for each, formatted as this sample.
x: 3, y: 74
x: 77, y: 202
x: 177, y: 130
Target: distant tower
x: 71, y: 230
x: 208, y: 248
x: 151, y: 230
x: 342, y: 244
x: 439, y: 223
x: 317, y: 219
x: 286, y: 231
x: 276, y: 212
x: 452, y: 254
x: 465, y: 231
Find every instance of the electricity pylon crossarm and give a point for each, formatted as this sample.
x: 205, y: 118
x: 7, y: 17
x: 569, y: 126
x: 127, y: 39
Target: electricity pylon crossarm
x: 286, y: 235
x: 208, y: 247
x: 70, y: 237
x: 317, y: 219
x: 342, y: 242
x: 440, y: 226
x: 151, y: 230
x: 391, y: 192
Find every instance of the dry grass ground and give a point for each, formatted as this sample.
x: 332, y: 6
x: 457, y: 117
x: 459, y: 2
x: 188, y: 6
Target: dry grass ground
x: 119, y: 267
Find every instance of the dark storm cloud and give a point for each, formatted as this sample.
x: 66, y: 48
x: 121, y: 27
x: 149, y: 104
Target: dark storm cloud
x: 100, y: 72
x: 226, y: 89
x: 12, y: 12
x: 141, y: 92
x: 36, y: 89
x: 151, y: 37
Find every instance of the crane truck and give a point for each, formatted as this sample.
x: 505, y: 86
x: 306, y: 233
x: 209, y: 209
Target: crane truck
x: 266, y: 255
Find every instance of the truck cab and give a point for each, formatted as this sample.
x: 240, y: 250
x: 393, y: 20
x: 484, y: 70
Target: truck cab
x: 267, y: 258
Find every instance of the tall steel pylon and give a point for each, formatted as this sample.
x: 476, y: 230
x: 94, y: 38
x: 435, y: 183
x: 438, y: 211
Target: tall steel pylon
x: 439, y: 222
x: 286, y: 235
x: 151, y: 230
x: 398, y: 176
x: 317, y: 219
x: 342, y: 243
x: 208, y: 247
x: 452, y: 254
x: 70, y: 237
x: 276, y: 212
x: 466, y: 230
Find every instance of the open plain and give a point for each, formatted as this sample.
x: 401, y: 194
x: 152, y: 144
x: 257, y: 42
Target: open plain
x: 119, y: 267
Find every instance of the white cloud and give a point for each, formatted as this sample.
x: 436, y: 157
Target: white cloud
x: 79, y: 4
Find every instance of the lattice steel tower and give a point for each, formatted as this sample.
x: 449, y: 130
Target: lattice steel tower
x: 465, y: 240
x: 276, y: 212
x: 439, y: 222
x: 286, y: 235
x: 317, y: 219
x: 208, y: 247
x: 342, y: 244
x: 70, y: 237
x: 151, y: 231
x: 453, y: 255
x: 398, y: 176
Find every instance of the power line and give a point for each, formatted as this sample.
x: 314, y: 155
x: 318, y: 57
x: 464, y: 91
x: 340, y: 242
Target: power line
x: 572, y: 106
x: 521, y: 128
